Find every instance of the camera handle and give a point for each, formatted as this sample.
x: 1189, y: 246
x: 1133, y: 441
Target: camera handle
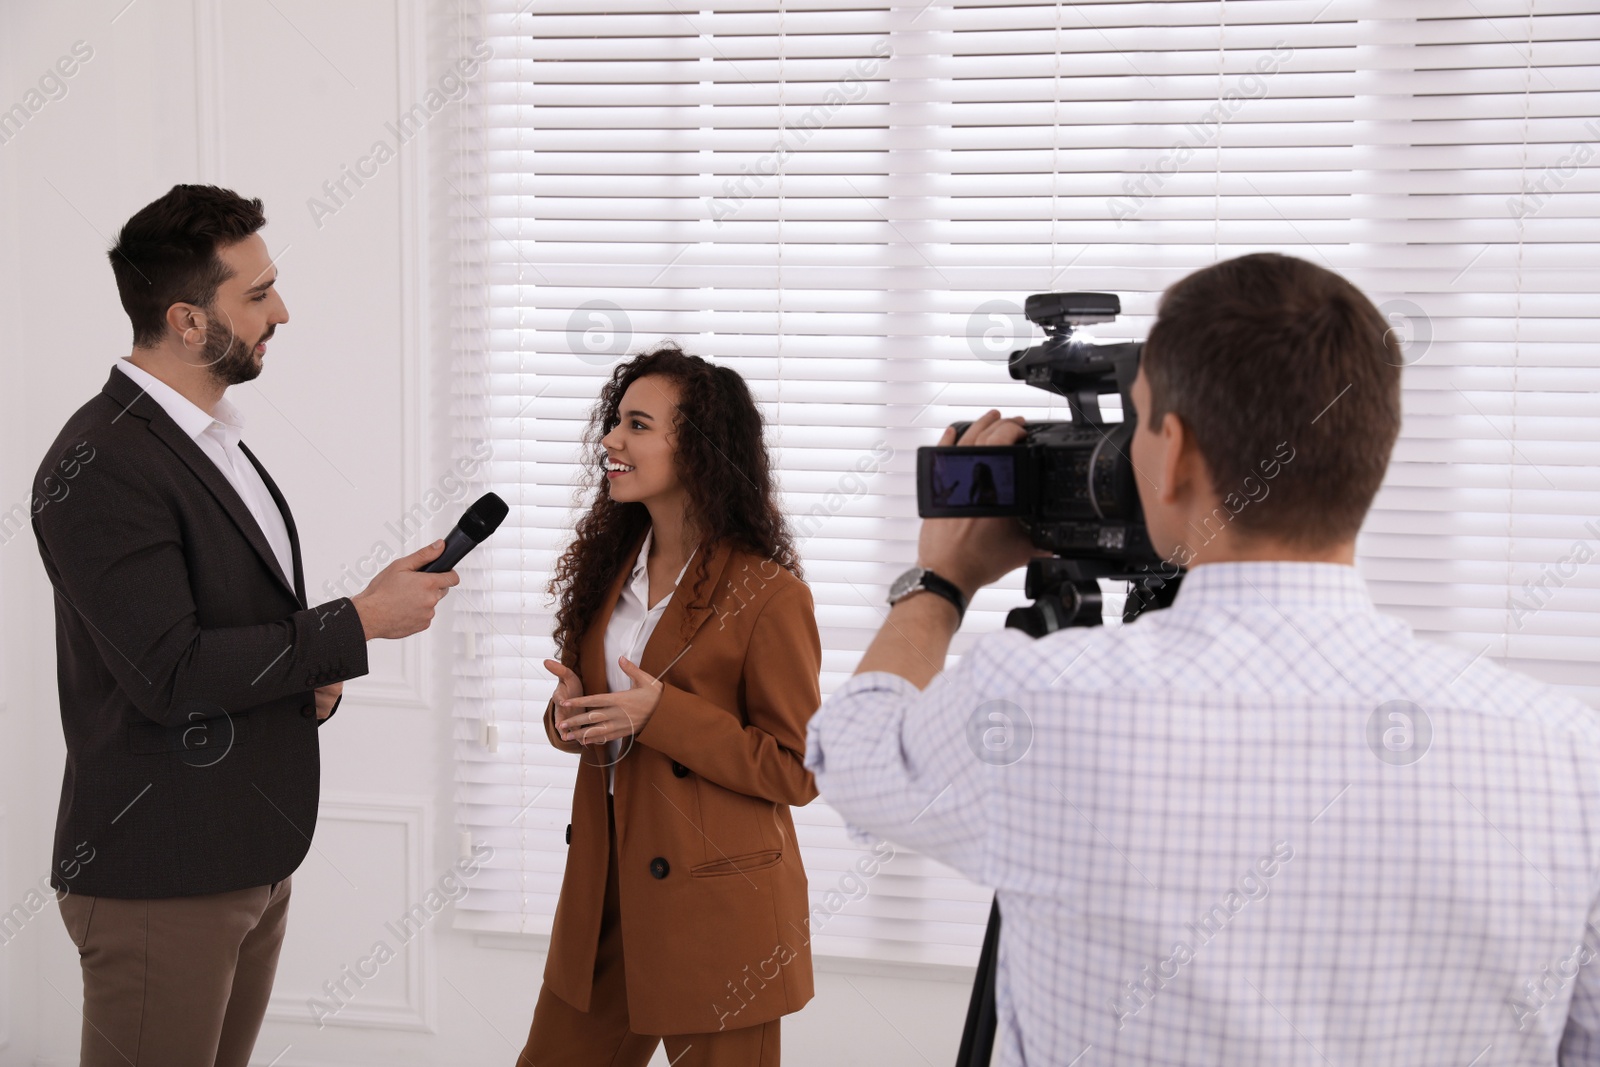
x: 1065, y: 592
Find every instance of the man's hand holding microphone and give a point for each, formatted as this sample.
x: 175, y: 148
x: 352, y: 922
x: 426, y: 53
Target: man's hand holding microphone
x: 400, y: 599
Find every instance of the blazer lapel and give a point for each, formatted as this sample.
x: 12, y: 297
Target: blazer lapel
x: 135, y: 401
x: 288, y: 522
x: 666, y: 642
x: 676, y: 628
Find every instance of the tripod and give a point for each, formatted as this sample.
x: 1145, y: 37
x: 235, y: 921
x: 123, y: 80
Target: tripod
x: 1065, y: 592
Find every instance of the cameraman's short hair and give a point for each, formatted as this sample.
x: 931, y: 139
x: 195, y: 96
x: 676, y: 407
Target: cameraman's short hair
x: 1266, y: 349
x: 167, y: 253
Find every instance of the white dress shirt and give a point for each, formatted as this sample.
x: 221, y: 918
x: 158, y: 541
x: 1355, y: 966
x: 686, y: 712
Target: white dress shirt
x: 218, y: 437
x: 632, y: 623
x: 1215, y: 840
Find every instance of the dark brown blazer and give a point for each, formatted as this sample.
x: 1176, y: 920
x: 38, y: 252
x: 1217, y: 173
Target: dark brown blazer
x: 185, y: 659
x: 714, y: 909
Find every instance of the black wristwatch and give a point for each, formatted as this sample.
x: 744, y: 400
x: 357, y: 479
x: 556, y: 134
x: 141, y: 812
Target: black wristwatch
x: 918, y: 579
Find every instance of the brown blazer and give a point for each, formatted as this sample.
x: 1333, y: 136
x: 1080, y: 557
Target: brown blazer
x: 713, y: 896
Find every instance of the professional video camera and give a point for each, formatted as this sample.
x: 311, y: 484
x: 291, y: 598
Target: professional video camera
x: 1070, y: 484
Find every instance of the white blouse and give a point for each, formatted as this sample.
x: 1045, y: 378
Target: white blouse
x: 632, y: 623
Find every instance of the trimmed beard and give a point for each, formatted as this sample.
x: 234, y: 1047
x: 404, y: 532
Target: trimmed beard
x: 229, y: 360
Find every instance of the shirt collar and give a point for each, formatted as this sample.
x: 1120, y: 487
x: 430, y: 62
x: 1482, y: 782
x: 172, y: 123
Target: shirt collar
x: 191, y: 418
x: 639, y: 563
x: 1280, y: 583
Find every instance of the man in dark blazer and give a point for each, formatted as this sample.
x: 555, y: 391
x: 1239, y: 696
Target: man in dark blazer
x: 192, y: 674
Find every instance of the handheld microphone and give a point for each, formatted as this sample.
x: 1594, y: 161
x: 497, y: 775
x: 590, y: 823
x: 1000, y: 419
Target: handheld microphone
x: 481, y: 520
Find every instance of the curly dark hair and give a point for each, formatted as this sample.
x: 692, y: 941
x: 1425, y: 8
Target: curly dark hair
x: 721, y: 460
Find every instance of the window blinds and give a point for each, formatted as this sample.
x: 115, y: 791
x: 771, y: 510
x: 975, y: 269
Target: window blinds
x: 848, y: 202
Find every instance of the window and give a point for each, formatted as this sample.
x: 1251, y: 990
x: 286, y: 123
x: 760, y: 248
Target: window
x: 848, y: 202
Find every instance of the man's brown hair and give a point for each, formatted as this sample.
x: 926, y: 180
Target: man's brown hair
x: 1267, y: 351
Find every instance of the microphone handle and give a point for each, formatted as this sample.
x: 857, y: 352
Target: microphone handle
x: 456, y: 545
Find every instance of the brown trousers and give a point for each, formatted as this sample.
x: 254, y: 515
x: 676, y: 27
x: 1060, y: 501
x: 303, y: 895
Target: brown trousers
x: 563, y: 1036
x: 176, y: 982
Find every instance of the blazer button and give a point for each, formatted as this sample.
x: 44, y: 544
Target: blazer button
x: 569, y: 833
x: 659, y: 867
x: 679, y: 770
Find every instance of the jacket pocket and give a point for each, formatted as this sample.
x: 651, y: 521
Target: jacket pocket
x: 750, y: 861
x: 76, y: 912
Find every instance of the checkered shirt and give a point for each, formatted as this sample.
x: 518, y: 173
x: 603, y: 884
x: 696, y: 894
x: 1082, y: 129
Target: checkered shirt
x: 1265, y: 825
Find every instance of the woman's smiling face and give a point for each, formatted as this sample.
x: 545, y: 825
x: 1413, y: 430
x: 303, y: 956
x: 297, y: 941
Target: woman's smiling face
x: 641, y: 450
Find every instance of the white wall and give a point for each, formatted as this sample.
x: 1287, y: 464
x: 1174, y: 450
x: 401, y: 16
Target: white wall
x: 271, y: 99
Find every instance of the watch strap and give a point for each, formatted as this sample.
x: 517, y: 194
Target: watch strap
x: 933, y: 583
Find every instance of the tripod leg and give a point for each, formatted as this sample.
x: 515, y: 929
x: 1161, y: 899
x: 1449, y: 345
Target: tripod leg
x: 977, y: 1039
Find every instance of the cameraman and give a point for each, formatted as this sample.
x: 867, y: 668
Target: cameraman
x: 1267, y: 824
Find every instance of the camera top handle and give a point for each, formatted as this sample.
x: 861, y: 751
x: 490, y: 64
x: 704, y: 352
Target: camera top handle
x: 1066, y: 364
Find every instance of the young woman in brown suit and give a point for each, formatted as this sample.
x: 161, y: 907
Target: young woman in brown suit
x: 689, y: 665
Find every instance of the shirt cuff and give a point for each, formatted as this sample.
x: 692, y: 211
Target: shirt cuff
x: 840, y: 707
x: 845, y: 704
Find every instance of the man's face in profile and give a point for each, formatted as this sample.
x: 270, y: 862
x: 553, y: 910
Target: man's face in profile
x: 244, y: 314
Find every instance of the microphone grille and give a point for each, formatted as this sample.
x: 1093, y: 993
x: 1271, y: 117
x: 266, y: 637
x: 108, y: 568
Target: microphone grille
x: 484, y: 516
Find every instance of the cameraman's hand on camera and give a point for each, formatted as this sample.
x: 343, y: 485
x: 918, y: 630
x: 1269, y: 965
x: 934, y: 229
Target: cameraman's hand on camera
x: 400, y: 599
x: 974, y: 552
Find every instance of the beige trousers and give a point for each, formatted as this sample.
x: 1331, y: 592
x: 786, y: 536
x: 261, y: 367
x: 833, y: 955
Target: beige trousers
x: 176, y: 982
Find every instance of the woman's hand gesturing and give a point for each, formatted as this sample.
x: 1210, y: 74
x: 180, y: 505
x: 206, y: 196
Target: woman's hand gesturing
x: 594, y: 720
x: 568, y: 685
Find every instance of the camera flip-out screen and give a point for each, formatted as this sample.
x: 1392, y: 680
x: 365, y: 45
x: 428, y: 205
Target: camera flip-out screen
x: 973, y: 481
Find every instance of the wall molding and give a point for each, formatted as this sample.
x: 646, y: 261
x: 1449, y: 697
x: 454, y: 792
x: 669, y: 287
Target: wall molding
x: 5, y: 969
x: 411, y: 689
x: 418, y: 1012
x: 208, y: 90
x: 411, y: 685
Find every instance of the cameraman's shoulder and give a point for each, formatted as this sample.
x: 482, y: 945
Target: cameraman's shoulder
x: 1082, y: 657
x: 1488, y: 688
